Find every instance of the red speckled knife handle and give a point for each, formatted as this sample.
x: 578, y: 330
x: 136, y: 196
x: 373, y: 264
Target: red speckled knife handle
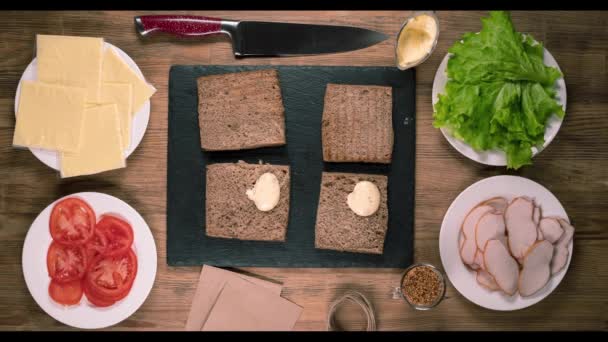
x: 180, y: 25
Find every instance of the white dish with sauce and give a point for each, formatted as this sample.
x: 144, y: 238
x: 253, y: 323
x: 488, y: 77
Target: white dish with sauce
x: 417, y: 39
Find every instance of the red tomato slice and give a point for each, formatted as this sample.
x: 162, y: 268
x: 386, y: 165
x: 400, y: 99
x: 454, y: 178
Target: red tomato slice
x: 111, y: 277
x: 118, y: 233
x: 100, y: 302
x: 72, y: 222
x: 97, y: 245
x: 66, y: 293
x: 66, y: 263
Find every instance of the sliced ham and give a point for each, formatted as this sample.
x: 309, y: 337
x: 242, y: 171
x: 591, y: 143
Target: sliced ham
x: 565, y: 239
x: 496, y: 235
x: 501, y: 266
x: 460, y: 241
x: 527, y: 198
x: 559, y: 260
x: 486, y: 280
x: 479, y: 259
x: 470, y: 221
x: 467, y: 252
x: 536, y: 216
x: 490, y: 226
x: 498, y: 203
x: 503, y: 240
x: 536, y: 269
x: 475, y: 265
x: 521, y: 230
x: 468, y: 249
x: 561, y: 252
x: 551, y: 229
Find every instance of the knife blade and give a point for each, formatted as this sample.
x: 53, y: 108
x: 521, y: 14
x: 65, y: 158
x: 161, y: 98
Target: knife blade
x: 255, y: 38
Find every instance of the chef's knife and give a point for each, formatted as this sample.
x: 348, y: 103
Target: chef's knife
x: 254, y: 38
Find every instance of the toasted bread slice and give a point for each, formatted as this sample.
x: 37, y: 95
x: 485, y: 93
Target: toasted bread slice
x: 231, y: 214
x: 241, y: 110
x: 357, y: 124
x: 338, y: 227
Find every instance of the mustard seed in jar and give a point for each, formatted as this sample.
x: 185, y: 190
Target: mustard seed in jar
x: 423, y: 286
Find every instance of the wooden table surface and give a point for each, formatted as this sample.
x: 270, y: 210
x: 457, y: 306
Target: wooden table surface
x: 574, y: 167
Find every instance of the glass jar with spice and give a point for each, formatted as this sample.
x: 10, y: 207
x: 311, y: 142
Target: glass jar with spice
x: 422, y: 286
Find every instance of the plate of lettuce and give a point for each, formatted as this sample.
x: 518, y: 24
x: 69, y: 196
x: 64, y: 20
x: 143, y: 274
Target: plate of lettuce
x: 499, y: 96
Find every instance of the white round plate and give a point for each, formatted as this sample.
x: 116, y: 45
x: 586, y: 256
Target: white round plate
x: 498, y: 157
x: 138, y: 127
x: 460, y: 276
x: 85, y: 315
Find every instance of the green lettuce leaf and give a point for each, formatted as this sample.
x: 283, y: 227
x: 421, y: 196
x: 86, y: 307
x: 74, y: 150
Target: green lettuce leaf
x: 499, y: 93
x: 498, y: 52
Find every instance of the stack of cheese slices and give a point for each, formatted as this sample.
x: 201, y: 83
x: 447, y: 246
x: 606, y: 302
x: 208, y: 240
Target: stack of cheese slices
x: 82, y: 104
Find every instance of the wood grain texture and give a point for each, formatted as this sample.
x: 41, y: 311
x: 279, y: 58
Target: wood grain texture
x: 574, y: 167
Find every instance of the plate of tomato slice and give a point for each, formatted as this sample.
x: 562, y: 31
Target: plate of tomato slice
x: 89, y: 260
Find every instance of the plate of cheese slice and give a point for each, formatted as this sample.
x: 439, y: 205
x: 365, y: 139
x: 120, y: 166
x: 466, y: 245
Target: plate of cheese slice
x: 82, y: 105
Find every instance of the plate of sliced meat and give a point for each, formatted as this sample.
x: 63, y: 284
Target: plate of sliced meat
x: 506, y: 243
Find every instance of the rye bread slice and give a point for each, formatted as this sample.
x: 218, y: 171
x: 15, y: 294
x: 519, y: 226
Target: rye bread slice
x: 338, y: 227
x: 241, y: 110
x: 231, y: 214
x: 357, y: 124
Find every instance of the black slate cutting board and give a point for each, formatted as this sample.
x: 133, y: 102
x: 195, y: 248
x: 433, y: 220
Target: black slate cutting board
x: 303, y: 90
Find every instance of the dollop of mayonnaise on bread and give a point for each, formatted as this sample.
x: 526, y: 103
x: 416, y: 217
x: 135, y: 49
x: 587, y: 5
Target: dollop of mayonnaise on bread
x: 266, y: 192
x: 365, y: 199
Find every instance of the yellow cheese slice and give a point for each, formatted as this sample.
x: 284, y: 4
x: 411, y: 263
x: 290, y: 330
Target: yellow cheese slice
x: 115, y: 70
x: 120, y: 95
x: 71, y: 61
x: 49, y: 116
x: 101, y: 148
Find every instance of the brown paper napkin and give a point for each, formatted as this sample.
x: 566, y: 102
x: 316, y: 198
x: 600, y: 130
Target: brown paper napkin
x: 244, y: 306
x: 211, y: 283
